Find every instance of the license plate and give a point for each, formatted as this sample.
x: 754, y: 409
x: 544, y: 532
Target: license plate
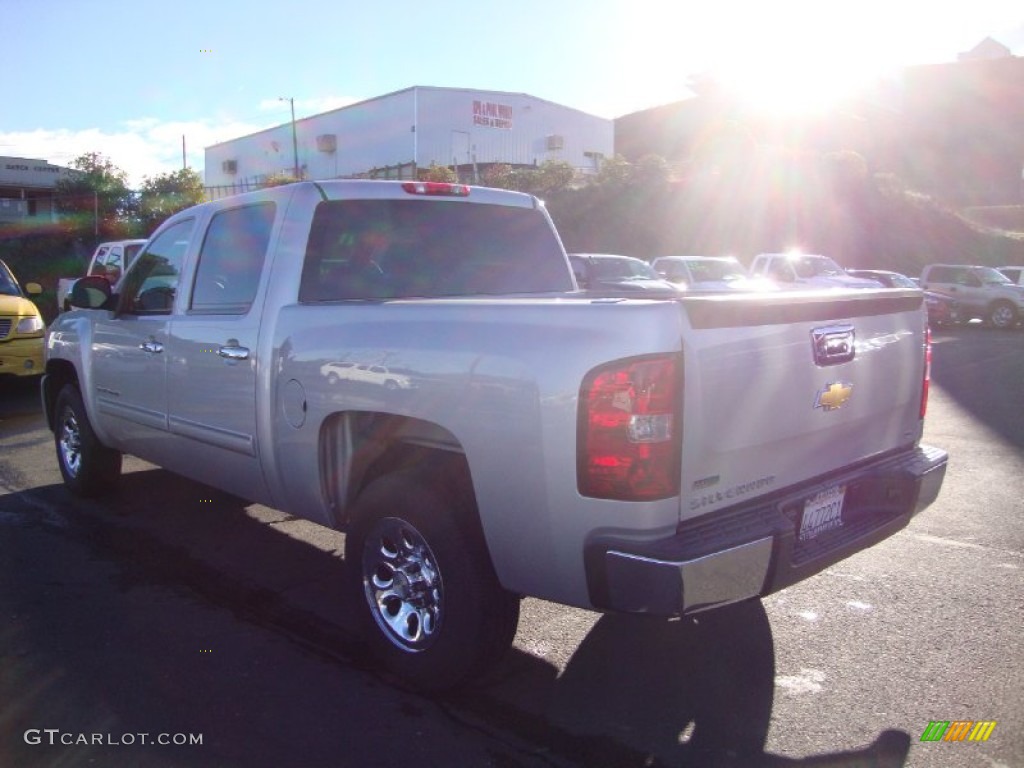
x: 823, y: 512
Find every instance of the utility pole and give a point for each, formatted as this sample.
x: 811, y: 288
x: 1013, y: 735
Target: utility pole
x: 184, y: 164
x: 295, y: 141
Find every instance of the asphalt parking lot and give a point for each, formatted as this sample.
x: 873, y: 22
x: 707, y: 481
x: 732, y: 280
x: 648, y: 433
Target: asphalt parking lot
x: 172, y: 609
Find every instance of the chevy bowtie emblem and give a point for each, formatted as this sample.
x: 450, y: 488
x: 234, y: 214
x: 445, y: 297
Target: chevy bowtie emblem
x: 834, y: 395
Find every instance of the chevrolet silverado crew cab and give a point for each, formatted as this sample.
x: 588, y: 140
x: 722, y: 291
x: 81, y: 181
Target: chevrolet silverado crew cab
x: 660, y: 455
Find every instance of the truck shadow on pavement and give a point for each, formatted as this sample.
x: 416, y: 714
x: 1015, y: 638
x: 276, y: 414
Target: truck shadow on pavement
x: 104, y: 634
x: 981, y: 368
x: 642, y: 691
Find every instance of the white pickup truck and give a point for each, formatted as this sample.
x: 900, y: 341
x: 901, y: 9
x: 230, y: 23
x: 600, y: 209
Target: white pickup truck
x: 660, y: 455
x: 805, y: 270
x: 109, y: 260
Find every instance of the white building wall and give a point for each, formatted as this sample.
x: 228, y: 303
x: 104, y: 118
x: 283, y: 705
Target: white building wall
x: 457, y: 125
x: 421, y: 125
x: 369, y: 134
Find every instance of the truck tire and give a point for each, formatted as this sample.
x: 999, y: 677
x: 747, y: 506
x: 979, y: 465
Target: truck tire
x: 431, y: 609
x: 1002, y: 314
x: 88, y: 467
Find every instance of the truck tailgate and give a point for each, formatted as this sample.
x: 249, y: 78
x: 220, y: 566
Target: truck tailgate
x: 786, y: 388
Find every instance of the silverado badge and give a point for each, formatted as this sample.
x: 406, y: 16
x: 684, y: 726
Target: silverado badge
x: 834, y: 395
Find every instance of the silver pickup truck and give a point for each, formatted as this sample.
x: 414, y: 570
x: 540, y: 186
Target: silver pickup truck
x: 509, y: 434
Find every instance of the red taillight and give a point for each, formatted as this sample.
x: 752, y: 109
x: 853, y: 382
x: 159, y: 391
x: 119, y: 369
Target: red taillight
x: 629, y: 430
x: 927, y: 369
x: 438, y: 188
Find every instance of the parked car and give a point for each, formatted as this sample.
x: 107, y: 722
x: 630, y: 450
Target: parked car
x: 942, y: 310
x: 805, y: 270
x: 708, y: 273
x: 981, y: 292
x: 21, y: 327
x: 1016, y: 274
x: 109, y: 260
x: 364, y: 374
x: 605, y: 271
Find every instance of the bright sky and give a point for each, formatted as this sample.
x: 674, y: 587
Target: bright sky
x: 128, y: 78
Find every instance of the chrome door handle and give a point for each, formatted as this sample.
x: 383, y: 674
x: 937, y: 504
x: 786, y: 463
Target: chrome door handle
x: 153, y: 346
x: 234, y: 353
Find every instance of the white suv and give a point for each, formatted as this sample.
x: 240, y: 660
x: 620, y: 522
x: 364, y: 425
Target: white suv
x: 981, y: 292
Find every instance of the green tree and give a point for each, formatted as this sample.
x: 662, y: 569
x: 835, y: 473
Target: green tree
x: 651, y: 171
x: 164, y: 195
x: 615, y: 172
x: 554, y: 176
x: 440, y: 173
x: 500, y: 176
x: 279, y: 179
x: 97, y: 201
x: 549, y: 178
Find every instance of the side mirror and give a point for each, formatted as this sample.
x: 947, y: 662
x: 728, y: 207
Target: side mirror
x: 33, y: 289
x: 90, y: 292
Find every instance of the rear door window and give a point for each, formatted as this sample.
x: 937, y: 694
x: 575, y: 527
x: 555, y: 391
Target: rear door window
x: 231, y: 259
x: 380, y: 249
x: 942, y: 275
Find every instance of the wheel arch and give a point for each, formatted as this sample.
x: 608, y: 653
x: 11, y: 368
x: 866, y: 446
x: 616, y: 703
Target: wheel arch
x: 58, y: 374
x: 358, y: 447
x: 1002, y: 302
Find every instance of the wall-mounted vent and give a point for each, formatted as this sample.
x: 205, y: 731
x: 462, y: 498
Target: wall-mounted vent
x: 229, y: 166
x: 554, y: 141
x: 327, y: 142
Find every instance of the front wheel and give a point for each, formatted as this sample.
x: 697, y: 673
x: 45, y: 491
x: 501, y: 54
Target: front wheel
x: 432, y: 610
x: 1003, y: 314
x: 88, y: 467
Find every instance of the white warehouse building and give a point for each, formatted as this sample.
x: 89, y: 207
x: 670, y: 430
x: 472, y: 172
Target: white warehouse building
x: 394, y: 135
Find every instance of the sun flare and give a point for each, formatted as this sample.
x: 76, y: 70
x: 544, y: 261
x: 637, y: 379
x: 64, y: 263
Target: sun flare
x: 794, y: 85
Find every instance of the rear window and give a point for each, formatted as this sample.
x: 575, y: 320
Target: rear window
x: 611, y: 268
x: 813, y: 266
x: 379, y: 249
x: 99, y: 263
x: 130, y: 252
x: 945, y: 274
x: 716, y: 270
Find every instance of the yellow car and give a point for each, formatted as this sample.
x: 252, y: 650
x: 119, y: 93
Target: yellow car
x: 21, y: 327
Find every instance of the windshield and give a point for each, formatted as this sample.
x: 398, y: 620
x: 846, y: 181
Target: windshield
x: 815, y: 266
x: 8, y: 286
x: 624, y: 267
x: 902, y: 281
x: 716, y: 270
x: 991, y: 276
